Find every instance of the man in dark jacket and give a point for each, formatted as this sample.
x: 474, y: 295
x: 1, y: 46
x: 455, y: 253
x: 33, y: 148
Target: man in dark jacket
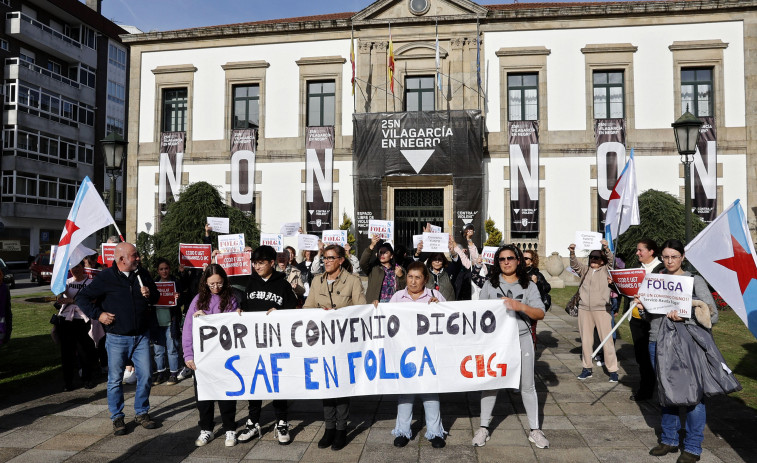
x: 125, y: 295
x: 267, y: 290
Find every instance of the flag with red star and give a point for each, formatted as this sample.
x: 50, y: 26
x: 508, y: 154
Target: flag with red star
x: 723, y: 253
x: 88, y: 215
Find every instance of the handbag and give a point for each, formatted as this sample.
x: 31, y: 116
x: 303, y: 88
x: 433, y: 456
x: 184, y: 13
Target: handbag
x: 571, y: 308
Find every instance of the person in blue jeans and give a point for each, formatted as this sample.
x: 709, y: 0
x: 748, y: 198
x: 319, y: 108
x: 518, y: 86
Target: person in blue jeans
x: 165, y: 334
x: 126, y: 293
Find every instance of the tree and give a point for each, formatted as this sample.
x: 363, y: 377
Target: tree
x: 347, y: 225
x: 494, y: 235
x: 662, y: 218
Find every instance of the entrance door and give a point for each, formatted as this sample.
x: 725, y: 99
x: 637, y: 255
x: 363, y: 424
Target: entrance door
x: 412, y: 209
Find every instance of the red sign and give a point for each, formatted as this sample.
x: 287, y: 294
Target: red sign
x: 628, y: 280
x: 167, y: 290
x: 108, y: 254
x: 91, y: 272
x: 194, y: 255
x: 235, y: 263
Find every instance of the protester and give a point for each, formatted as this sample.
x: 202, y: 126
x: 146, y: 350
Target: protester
x: 309, y: 266
x: 673, y: 256
x: 531, y: 260
x: 125, y: 293
x: 593, y: 308
x: 416, y: 291
x: 334, y: 289
x: 6, y: 316
x: 353, y: 259
x: 510, y: 282
x: 293, y: 275
x: 385, y: 277
x: 439, y: 279
x: 292, y: 256
x: 267, y: 290
x: 463, y: 259
x: 165, y: 334
x: 214, y: 297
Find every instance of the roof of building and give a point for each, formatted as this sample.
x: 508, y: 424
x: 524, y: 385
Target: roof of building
x: 90, y: 17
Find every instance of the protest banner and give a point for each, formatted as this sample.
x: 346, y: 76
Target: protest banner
x: 384, y: 229
x: 235, y: 263
x: 334, y: 237
x: 660, y: 293
x: 108, y: 254
x: 487, y: 254
x: 194, y: 255
x: 274, y: 240
x: 628, y: 280
x: 91, y: 272
x: 289, y: 228
x: 400, y: 348
x: 435, y: 242
x: 219, y: 224
x: 167, y: 290
x: 588, y: 240
x: 231, y: 243
x: 307, y: 242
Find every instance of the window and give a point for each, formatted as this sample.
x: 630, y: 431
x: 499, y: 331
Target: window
x: 116, y: 92
x: 117, y: 56
x: 89, y: 37
x: 27, y: 56
x: 114, y: 125
x: 608, y: 95
x: 174, y: 110
x: 696, y: 91
x: 246, y: 107
x: 4, y: 45
x: 87, y: 75
x: 321, y: 103
x: 522, y: 97
x: 55, y: 67
x: 419, y: 93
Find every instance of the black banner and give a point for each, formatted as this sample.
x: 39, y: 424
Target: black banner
x: 319, y: 170
x: 524, y: 176
x: 242, y: 169
x: 419, y: 143
x: 611, y: 157
x: 705, y: 172
x: 171, y: 164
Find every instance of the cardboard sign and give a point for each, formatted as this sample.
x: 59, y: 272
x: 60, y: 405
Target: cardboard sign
x: 219, y: 224
x: 307, y: 242
x: 487, y: 254
x: 334, y: 237
x: 194, y: 255
x: 384, y: 229
x: 91, y: 272
x: 289, y: 228
x: 417, y: 239
x: 231, y: 243
x: 435, y: 242
x: 108, y: 253
x: 660, y: 293
x: 274, y: 240
x: 588, y: 240
x: 628, y: 280
x: 235, y: 263
x: 167, y: 290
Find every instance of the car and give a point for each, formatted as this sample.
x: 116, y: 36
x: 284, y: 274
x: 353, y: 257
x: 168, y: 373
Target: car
x: 41, y: 270
x: 8, y: 276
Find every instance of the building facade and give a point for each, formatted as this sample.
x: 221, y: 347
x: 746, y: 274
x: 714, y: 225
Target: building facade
x: 522, y: 113
x: 64, y: 89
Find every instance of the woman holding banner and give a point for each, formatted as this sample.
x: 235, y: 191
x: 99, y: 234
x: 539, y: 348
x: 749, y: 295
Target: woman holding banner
x: 416, y: 291
x: 672, y: 257
x: 334, y: 289
x: 510, y: 282
x: 165, y: 332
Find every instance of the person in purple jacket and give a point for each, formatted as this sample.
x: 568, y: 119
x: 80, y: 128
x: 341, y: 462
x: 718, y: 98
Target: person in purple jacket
x: 214, y: 297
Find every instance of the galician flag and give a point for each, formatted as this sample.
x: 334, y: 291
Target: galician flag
x: 623, y: 208
x: 723, y: 254
x: 87, y: 215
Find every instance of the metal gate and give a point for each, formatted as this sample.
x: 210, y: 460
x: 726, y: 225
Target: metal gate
x: 412, y: 209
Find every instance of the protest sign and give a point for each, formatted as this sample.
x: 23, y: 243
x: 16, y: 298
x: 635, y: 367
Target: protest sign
x: 307, y: 242
x: 588, y: 240
x: 334, y: 237
x: 108, y: 253
x: 398, y: 348
x: 219, y: 224
x: 628, y: 280
x: 434, y: 228
x: 660, y: 293
x: 487, y: 254
x: 384, y: 229
x: 167, y: 290
x: 231, y: 243
x: 417, y: 239
x: 235, y: 263
x: 194, y: 255
x: 435, y: 242
x: 289, y: 228
x: 274, y: 240
x: 91, y: 272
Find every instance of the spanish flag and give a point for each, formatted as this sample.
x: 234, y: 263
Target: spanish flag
x: 391, y: 61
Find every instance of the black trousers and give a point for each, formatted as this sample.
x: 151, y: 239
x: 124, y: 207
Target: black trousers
x: 279, y: 408
x: 336, y: 412
x: 77, y: 350
x: 640, y: 336
x: 227, y: 408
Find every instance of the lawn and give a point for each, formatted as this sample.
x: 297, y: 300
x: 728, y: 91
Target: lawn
x: 735, y: 341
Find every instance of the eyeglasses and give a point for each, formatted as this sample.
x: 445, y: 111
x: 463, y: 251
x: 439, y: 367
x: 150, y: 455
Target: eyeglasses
x: 507, y: 258
x: 671, y: 258
x: 215, y: 285
x: 330, y: 258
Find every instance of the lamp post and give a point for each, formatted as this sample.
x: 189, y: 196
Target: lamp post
x: 686, y: 130
x: 114, y: 151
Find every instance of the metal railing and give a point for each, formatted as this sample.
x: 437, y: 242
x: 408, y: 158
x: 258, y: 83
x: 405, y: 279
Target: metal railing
x: 43, y: 27
x: 43, y: 71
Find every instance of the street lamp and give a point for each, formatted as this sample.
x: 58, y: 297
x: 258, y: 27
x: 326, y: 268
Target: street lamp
x: 686, y: 130
x: 114, y: 151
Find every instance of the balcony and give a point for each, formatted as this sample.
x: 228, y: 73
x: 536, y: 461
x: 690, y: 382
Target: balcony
x: 29, y: 30
x: 35, y: 120
x: 16, y: 68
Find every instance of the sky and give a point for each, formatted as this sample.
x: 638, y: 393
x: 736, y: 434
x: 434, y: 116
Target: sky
x: 164, y: 15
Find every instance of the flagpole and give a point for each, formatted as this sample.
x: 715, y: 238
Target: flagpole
x: 478, y: 65
x: 354, y: 65
x: 625, y: 316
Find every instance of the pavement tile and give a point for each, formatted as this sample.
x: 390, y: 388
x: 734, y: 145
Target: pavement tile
x: 83, y: 410
x: 55, y: 423
x: 22, y: 438
x: 624, y: 455
x: 36, y: 456
x: 273, y: 451
x: 450, y: 453
x: 563, y: 439
x: 574, y: 455
x: 557, y: 422
x: 70, y: 442
x: 192, y: 459
x: 457, y: 422
x: 499, y: 454
x: 734, y: 455
x: 611, y: 437
x: 350, y: 453
x: 640, y: 422
x: 388, y: 453
x: 575, y: 409
x: 95, y: 426
x: 9, y: 453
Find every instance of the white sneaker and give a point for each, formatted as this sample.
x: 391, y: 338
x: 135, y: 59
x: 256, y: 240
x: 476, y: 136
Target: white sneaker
x: 231, y: 438
x: 130, y: 377
x: 282, y: 432
x: 205, y: 437
x: 184, y: 374
x: 482, y: 435
x: 537, y: 437
x: 251, y: 430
